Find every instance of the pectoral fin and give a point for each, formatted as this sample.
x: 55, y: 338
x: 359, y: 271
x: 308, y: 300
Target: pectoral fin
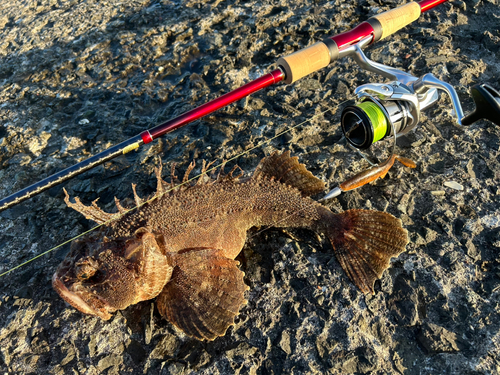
x: 204, y: 294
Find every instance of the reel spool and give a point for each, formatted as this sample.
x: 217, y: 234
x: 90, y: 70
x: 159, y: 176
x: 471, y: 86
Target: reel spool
x: 364, y: 124
x: 372, y: 120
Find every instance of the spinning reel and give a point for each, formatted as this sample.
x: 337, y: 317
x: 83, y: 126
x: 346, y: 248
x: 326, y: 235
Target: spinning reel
x: 389, y: 110
x: 392, y: 109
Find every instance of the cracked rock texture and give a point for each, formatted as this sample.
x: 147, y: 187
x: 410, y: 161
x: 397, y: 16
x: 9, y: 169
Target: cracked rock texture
x: 79, y: 76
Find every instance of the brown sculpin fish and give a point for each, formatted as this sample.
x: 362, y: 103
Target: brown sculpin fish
x: 180, y: 245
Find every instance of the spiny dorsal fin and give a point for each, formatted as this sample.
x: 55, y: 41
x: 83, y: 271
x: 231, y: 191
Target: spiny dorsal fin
x: 93, y: 212
x: 220, y: 174
x: 188, y: 171
x: 173, y: 177
x: 137, y: 199
x: 120, y: 208
x: 204, y: 168
x: 229, y: 176
x: 287, y: 170
x: 159, y: 180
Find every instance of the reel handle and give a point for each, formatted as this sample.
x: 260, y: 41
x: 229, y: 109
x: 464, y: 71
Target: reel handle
x: 487, y: 101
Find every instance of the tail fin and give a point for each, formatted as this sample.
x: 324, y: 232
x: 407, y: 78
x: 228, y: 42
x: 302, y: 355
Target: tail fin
x: 364, y: 242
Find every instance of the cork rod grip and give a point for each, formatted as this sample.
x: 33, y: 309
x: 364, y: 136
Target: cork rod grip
x: 304, y: 62
x: 395, y: 19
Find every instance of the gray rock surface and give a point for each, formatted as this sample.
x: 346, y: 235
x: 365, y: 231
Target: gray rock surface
x: 78, y: 76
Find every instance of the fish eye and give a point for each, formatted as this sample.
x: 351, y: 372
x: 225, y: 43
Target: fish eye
x: 85, y: 269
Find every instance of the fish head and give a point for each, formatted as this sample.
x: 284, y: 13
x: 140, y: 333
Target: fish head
x: 101, y: 276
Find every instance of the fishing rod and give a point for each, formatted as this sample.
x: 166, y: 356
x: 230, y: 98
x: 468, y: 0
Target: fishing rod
x: 290, y: 69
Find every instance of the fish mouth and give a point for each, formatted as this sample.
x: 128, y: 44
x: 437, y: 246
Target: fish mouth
x: 75, y: 300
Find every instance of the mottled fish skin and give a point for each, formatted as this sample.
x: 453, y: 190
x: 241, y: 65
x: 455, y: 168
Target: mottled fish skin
x: 180, y: 246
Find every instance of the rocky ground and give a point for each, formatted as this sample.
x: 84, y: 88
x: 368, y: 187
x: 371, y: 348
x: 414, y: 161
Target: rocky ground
x: 78, y: 76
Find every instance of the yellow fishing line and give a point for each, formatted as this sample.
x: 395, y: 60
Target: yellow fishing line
x: 169, y: 190
x: 377, y: 118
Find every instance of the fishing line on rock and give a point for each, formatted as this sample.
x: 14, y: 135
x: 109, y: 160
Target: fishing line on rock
x: 382, y: 110
x: 210, y: 169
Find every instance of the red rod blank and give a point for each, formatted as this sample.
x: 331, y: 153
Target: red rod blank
x: 353, y: 36
x: 267, y: 80
x: 426, y: 5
